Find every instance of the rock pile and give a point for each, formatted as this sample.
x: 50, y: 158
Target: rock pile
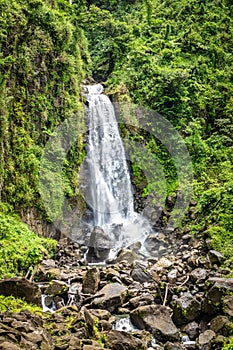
x: 173, y: 301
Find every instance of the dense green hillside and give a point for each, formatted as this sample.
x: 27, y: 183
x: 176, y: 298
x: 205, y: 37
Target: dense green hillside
x: 43, y: 61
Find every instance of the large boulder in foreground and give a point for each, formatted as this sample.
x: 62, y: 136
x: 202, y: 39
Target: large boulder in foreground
x: 110, y: 297
x: 21, y: 288
x: 157, y: 320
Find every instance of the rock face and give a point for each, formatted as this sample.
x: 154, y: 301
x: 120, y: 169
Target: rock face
x: 110, y: 297
x: 21, y: 288
x: 155, y: 319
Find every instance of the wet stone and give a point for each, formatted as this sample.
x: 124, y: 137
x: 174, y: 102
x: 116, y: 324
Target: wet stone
x: 205, y: 338
x: 56, y: 288
x: 186, y: 308
x: 192, y: 329
x: 91, y: 281
x: 141, y: 273
x: 155, y: 319
x: 118, y: 340
x: 110, y: 297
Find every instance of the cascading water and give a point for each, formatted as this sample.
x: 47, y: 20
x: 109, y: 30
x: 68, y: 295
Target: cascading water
x: 108, y: 188
x: 111, y: 195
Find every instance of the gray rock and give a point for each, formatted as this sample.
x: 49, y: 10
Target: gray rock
x: 185, y: 308
x: 162, y: 263
x: 126, y: 255
x: 141, y: 273
x: 101, y: 314
x: 157, y: 320
x: 9, y: 346
x: 228, y: 305
x: 204, y: 339
x: 91, y: 281
x: 174, y: 346
x: 21, y: 288
x: 56, y: 288
x: 192, y: 329
x: 218, y: 289
x: 118, y: 340
x: 110, y: 297
x: 141, y: 300
x: 172, y: 276
x: 198, y: 275
x: 215, y: 257
x: 221, y: 325
x: 35, y: 336
x: 105, y: 325
x: 219, y: 342
x: 99, y: 245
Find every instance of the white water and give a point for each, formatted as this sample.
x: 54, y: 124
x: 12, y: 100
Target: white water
x: 108, y: 191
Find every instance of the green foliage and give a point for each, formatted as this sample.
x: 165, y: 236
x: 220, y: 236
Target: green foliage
x: 11, y: 304
x: 20, y: 248
x: 42, y: 63
x: 228, y: 345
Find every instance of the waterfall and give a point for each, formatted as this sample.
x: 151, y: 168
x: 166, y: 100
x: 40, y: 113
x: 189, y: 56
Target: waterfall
x: 108, y: 189
x: 111, y: 195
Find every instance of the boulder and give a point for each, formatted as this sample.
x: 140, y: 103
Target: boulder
x: 56, y: 288
x: 221, y: 325
x: 228, y: 305
x: 198, y: 275
x: 118, y: 340
x: 192, y: 329
x: 99, y: 246
x: 162, y: 263
x: 157, y: 320
x: 91, y: 281
x: 204, y: 339
x: 218, y: 289
x: 110, y: 297
x: 141, y: 273
x: 174, y: 346
x: 21, y: 288
x: 185, y: 308
x: 126, y: 255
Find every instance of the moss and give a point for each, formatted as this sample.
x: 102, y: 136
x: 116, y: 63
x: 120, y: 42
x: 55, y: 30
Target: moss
x: 20, y: 248
x: 11, y: 305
